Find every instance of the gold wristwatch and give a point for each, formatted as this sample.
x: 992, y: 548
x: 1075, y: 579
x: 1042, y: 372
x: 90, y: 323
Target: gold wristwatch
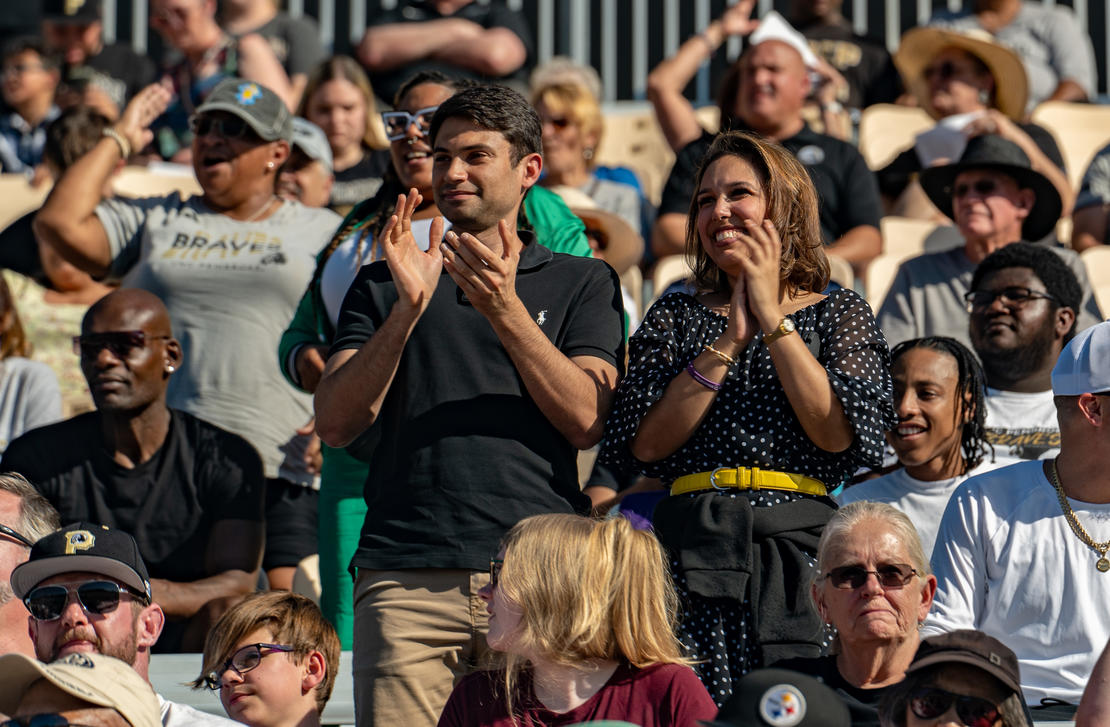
x: 786, y: 326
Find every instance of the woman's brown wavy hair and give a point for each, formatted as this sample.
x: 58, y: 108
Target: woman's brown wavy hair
x: 791, y: 205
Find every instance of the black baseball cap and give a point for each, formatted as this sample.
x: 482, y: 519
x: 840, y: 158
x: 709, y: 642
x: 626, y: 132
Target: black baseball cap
x: 781, y: 698
x: 86, y: 548
x: 76, y: 12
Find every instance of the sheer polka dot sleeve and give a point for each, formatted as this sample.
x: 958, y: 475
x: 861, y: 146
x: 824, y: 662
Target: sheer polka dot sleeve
x: 855, y: 354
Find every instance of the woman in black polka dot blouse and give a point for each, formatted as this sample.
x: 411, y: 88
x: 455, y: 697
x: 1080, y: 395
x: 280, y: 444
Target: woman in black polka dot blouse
x: 751, y: 399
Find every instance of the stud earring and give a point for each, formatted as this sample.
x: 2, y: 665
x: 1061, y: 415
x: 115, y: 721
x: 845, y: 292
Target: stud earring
x: 269, y: 165
x: 170, y: 369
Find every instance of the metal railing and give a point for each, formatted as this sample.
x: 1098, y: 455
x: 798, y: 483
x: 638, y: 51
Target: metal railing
x: 623, y: 39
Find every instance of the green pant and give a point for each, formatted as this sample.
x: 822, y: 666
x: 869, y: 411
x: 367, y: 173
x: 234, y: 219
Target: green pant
x: 341, y: 512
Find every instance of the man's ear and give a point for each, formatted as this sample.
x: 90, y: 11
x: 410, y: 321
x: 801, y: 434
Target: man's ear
x: 173, y: 355
x: 532, y: 165
x: 1065, y: 319
x: 149, y: 625
x: 1026, y: 198
x: 316, y: 670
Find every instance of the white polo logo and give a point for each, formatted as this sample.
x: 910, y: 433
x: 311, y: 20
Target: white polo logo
x: 542, y: 317
x: 77, y: 540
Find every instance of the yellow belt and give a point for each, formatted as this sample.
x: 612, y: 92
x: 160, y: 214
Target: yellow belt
x: 747, y: 478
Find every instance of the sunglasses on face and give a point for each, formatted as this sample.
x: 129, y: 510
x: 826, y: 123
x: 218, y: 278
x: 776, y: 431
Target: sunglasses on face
x: 397, y: 123
x: 495, y: 571
x: 46, y: 603
x: 121, y: 343
x: 242, y: 661
x: 931, y: 702
x: 944, y: 71
x: 227, y: 127
x: 559, y: 123
x: 1014, y: 297
x: 891, y: 575
x: 15, y: 535
x: 983, y: 188
x: 42, y: 720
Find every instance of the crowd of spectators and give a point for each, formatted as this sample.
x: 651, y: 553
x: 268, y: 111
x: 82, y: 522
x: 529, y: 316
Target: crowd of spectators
x: 327, y: 385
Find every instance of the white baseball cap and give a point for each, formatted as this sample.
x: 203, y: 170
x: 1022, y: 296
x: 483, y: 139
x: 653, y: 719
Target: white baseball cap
x: 773, y: 26
x: 1084, y: 364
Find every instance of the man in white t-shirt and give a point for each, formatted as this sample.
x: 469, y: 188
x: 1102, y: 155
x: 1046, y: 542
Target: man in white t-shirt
x: 1023, y: 304
x: 1022, y: 551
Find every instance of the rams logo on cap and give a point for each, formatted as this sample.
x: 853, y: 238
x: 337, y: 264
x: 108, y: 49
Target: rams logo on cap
x: 72, y: 6
x: 782, y: 706
x: 78, y: 659
x: 248, y: 93
x: 77, y: 540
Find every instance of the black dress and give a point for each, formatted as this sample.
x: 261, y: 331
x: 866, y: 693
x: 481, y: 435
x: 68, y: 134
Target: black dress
x: 735, y: 548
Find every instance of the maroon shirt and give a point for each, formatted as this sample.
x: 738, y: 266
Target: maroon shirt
x: 664, y: 695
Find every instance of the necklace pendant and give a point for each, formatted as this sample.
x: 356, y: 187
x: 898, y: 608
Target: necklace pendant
x: 1103, y: 564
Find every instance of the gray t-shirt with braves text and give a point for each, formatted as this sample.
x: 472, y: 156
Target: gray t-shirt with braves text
x: 231, y: 288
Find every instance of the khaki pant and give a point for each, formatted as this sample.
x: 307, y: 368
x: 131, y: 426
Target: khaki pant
x: 416, y: 633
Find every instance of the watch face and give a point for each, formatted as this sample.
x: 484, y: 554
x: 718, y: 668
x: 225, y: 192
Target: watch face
x: 788, y: 325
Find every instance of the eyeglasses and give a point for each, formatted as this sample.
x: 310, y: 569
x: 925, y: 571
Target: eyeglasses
x: 228, y: 127
x: 241, y: 662
x: 1013, y: 296
x: 983, y: 188
x: 931, y: 702
x: 891, y: 575
x: 15, y: 535
x: 397, y: 123
x: 121, y: 343
x: 46, y: 603
x: 42, y: 720
x: 495, y: 571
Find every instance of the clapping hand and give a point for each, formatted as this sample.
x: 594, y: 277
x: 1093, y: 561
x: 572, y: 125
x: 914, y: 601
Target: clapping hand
x: 148, y: 105
x: 415, y: 272
x: 486, y: 277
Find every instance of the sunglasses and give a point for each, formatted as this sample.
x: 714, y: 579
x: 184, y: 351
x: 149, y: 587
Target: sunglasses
x: 558, y: 123
x: 1013, y: 296
x: 42, y: 720
x: 242, y: 661
x: 397, y: 123
x: 4, y: 529
x: 495, y: 571
x: 892, y: 575
x: 983, y: 188
x: 931, y: 702
x: 944, y: 70
x: 228, y: 127
x: 121, y: 343
x: 46, y: 603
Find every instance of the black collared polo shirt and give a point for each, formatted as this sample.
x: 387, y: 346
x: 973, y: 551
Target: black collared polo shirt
x: 462, y: 451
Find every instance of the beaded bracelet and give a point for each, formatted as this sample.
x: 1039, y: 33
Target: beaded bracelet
x: 696, y: 376
x: 721, y: 355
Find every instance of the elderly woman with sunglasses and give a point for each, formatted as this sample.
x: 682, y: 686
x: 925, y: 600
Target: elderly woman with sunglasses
x: 962, y: 677
x: 229, y: 264
x: 971, y: 86
x: 305, y: 343
x: 874, y: 588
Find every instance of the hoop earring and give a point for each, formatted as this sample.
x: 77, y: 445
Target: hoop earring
x: 588, y: 153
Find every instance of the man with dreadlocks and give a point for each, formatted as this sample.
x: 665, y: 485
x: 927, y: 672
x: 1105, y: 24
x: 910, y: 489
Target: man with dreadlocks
x: 1024, y: 302
x: 938, y: 397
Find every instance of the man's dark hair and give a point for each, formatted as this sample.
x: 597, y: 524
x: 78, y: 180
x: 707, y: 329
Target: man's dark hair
x: 50, y: 60
x: 1058, y: 279
x: 971, y: 390
x: 496, y: 108
x: 72, y: 135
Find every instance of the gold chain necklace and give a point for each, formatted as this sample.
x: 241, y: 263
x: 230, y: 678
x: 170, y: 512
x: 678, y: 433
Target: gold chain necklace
x: 1103, y: 563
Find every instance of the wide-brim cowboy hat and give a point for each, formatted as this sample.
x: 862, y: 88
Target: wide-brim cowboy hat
x: 622, y: 245
x: 919, y: 46
x: 992, y: 152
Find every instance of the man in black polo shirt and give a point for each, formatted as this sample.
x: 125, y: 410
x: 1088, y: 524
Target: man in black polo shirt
x: 190, y: 493
x: 480, y: 367
x: 771, y: 84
